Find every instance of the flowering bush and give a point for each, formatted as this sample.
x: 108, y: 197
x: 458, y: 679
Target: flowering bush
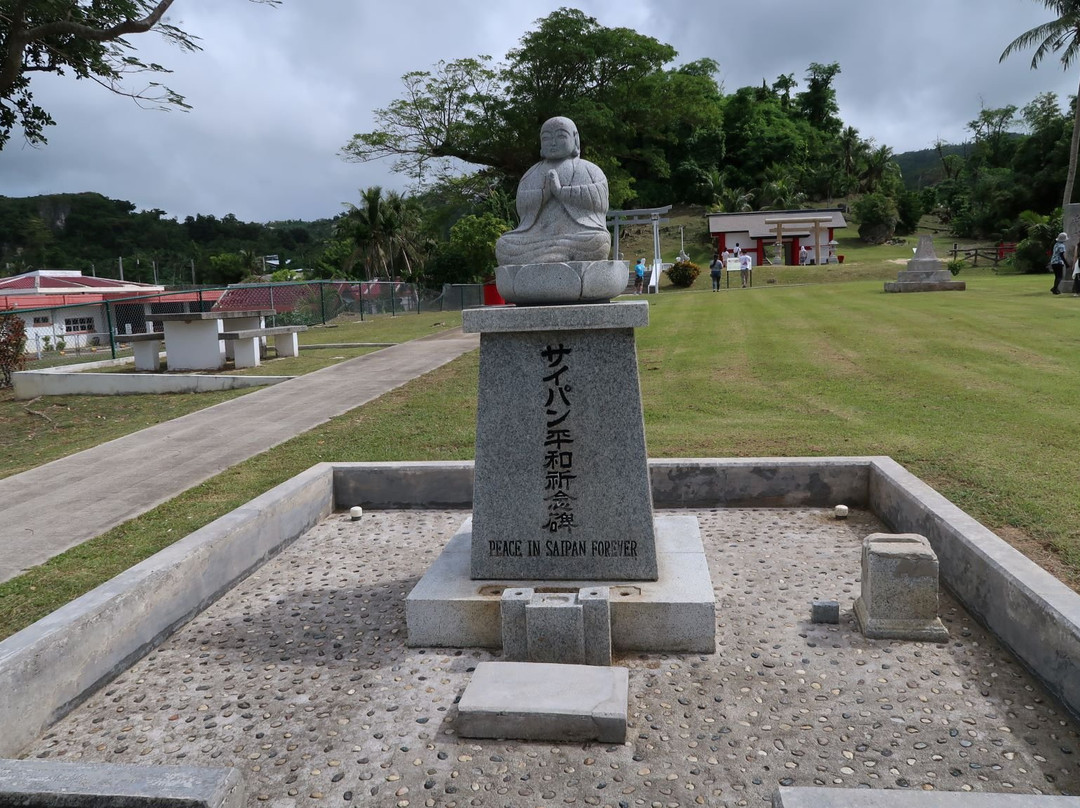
x: 12, y: 347
x: 683, y: 273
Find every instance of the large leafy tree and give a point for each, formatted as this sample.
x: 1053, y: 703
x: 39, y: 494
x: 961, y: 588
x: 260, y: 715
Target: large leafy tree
x: 1060, y: 35
x: 818, y: 101
x: 86, y: 38
x: 637, y: 119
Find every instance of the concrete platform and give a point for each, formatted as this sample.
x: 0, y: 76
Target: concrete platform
x: 300, y: 677
x: 677, y: 612
x: 90, y: 785
x: 545, y: 702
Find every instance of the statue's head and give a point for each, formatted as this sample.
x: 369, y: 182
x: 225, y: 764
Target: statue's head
x: 559, y: 139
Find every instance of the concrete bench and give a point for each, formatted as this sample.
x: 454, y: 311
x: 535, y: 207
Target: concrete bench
x: 146, y: 347
x: 246, y: 351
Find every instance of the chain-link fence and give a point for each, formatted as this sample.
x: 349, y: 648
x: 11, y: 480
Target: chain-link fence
x: 85, y: 332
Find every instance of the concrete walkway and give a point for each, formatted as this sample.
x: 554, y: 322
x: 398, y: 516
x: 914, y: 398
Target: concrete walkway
x: 54, y: 507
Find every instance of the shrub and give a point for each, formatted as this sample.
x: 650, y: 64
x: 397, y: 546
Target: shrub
x: 1033, y: 251
x: 12, y: 347
x: 878, y: 216
x: 683, y: 273
x: 955, y: 265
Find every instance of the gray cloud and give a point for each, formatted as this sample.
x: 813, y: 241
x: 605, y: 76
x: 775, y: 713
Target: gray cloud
x: 277, y: 92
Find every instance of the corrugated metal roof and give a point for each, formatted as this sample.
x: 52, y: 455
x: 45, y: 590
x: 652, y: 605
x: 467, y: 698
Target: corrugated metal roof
x: 9, y: 302
x: 42, y: 282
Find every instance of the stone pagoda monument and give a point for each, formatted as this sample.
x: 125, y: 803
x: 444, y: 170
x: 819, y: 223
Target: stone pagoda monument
x: 925, y: 273
x: 562, y: 555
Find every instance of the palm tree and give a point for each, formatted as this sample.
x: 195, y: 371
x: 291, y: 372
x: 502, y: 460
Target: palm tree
x: 878, y: 164
x: 1062, y: 34
x: 852, y: 150
x: 385, y: 230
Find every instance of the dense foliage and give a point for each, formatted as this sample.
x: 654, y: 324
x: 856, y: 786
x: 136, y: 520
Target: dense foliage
x: 91, y: 232
x: 1016, y: 161
x: 663, y: 133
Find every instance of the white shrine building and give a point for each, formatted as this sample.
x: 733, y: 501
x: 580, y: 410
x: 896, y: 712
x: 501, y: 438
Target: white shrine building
x: 758, y: 232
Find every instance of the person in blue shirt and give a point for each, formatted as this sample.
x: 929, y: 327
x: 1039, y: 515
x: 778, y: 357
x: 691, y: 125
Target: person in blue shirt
x: 639, y: 276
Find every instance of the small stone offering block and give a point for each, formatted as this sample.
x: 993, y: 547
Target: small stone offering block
x: 899, y: 598
x: 824, y: 611
x: 545, y: 702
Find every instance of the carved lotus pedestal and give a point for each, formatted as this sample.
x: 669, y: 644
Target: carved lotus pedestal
x: 563, y: 282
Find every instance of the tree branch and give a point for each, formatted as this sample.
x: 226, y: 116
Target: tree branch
x: 100, y: 34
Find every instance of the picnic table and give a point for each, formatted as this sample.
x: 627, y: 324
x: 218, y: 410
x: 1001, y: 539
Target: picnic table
x: 193, y: 339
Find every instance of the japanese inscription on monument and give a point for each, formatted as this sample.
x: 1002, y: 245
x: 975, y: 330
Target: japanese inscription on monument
x: 558, y: 443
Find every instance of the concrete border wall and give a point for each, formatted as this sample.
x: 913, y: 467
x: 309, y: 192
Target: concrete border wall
x: 53, y: 665
x: 445, y: 484
x: 788, y: 482
x: 33, y: 383
x: 760, y: 482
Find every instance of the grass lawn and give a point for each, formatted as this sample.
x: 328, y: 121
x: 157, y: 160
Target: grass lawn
x: 973, y: 391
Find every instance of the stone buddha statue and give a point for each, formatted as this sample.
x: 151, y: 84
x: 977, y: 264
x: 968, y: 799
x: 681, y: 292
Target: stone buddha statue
x: 562, y: 202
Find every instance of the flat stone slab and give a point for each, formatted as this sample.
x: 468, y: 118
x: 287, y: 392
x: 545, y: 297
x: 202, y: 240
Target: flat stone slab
x: 625, y: 314
x: 545, y: 702
x: 917, y: 286
x: 43, y: 783
x: 676, y: 612
x: 217, y: 314
x: 895, y: 798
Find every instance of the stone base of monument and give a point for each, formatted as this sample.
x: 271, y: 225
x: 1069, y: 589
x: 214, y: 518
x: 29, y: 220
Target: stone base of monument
x: 561, y: 282
x: 903, y: 284
x: 899, y: 598
x: 925, y: 273
x: 676, y: 613
x: 545, y: 702
x: 925, y: 280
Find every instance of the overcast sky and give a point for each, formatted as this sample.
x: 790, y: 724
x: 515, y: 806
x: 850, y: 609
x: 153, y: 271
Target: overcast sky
x: 277, y: 92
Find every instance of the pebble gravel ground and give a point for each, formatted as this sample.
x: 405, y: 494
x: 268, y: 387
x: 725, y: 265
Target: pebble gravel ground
x: 300, y: 678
